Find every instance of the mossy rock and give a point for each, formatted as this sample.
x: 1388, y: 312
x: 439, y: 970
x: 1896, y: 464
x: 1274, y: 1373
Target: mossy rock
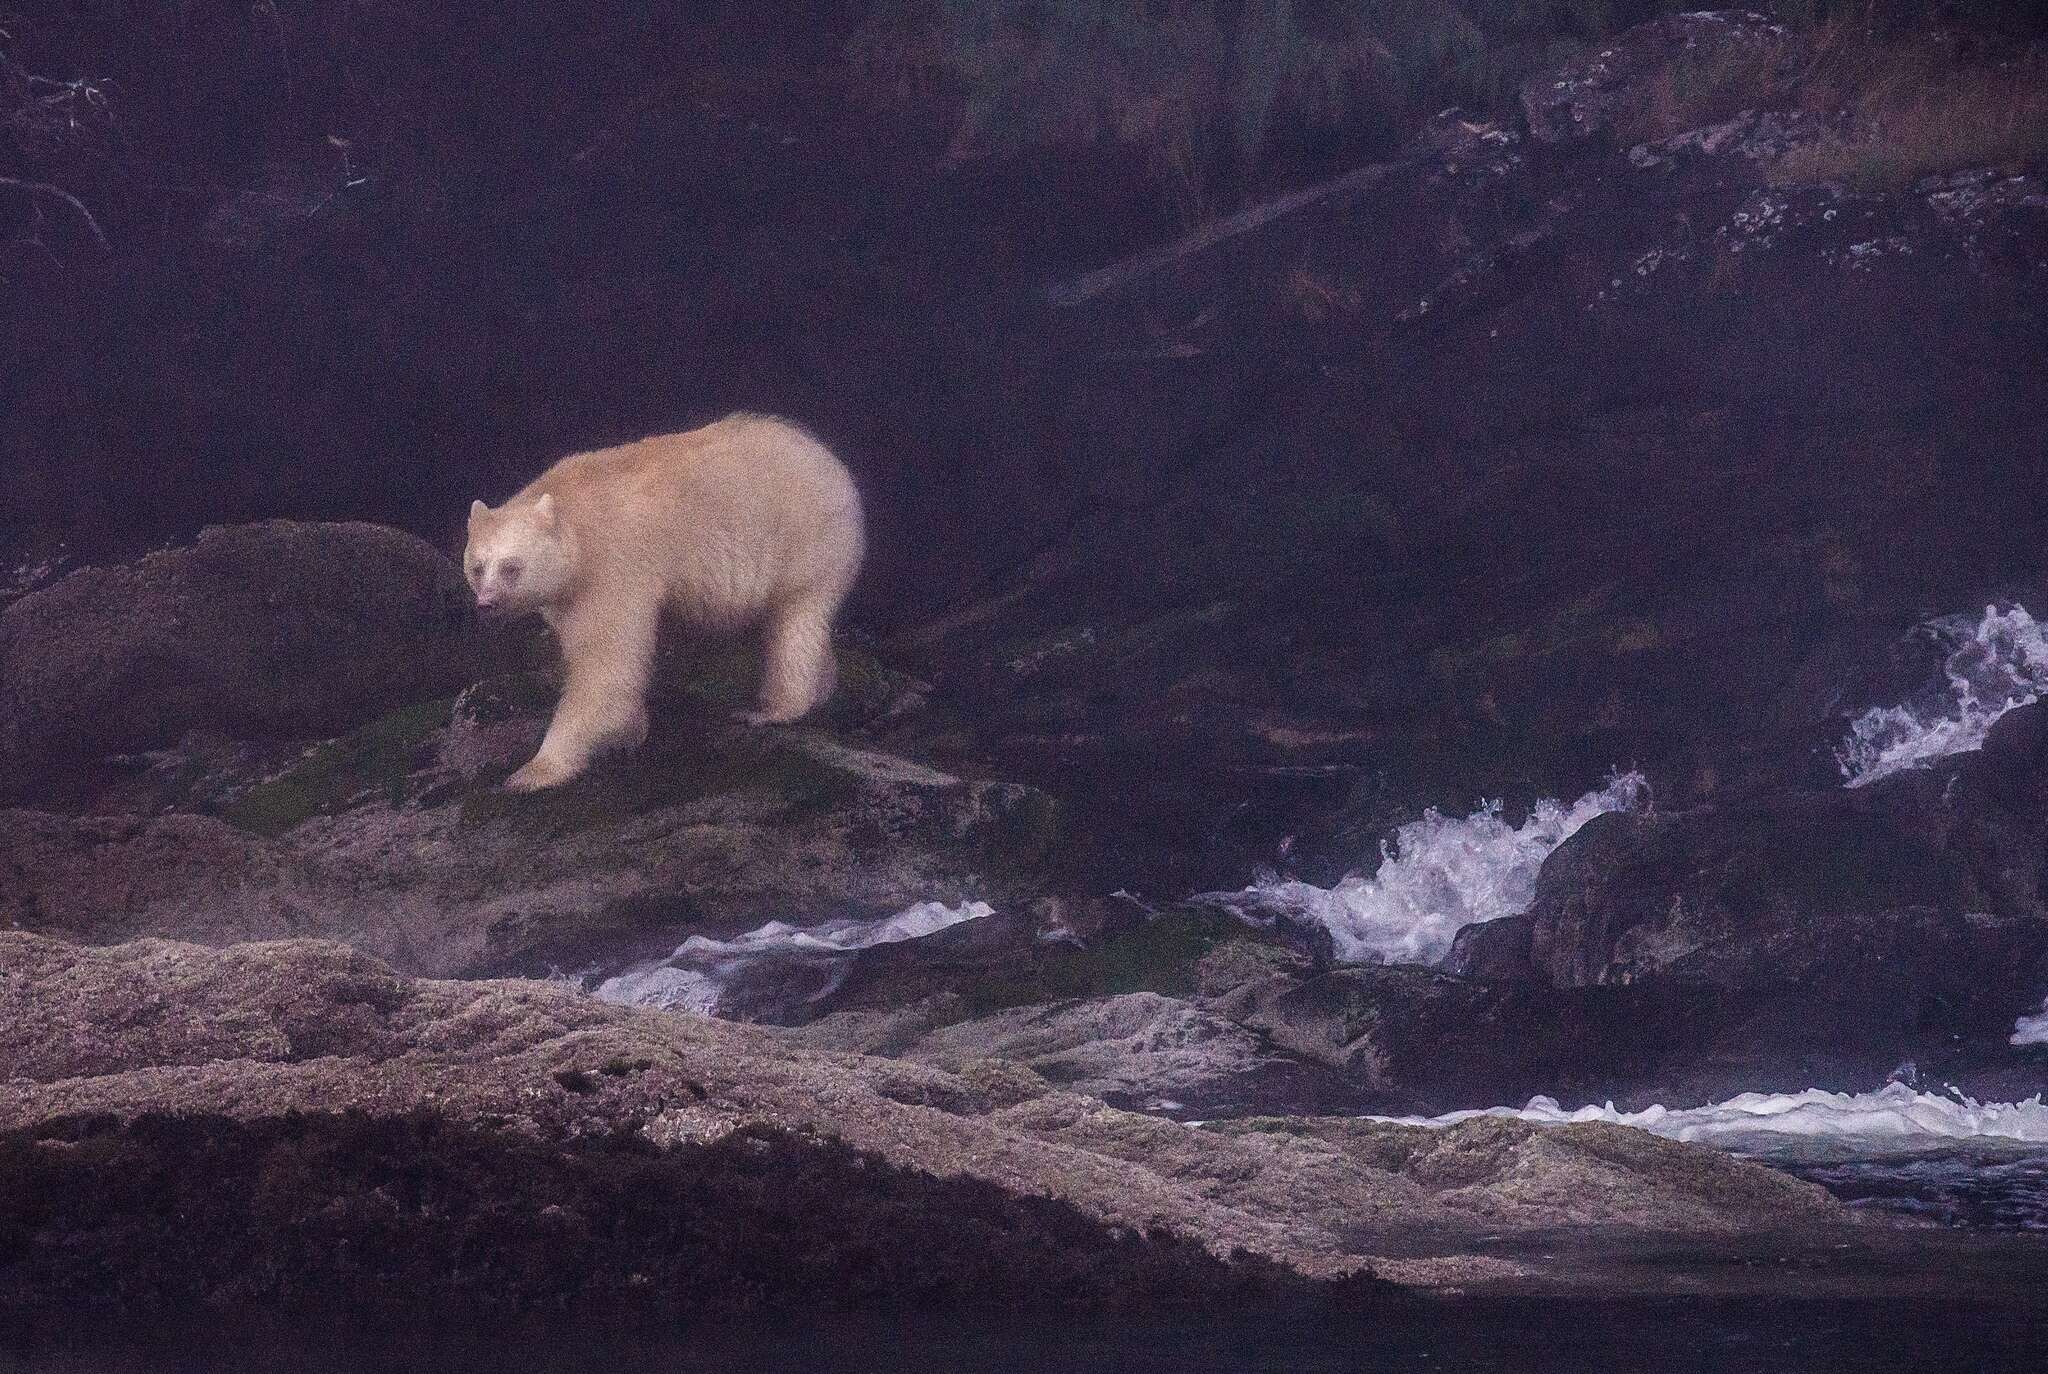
x: 279, y: 630
x: 1015, y: 825
x: 868, y: 688
x: 1157, y: 956
x: 374, y: 763
x: 725, y: 674
x: 683, y: 761
x: 722, y: 673
x: 509, y: 696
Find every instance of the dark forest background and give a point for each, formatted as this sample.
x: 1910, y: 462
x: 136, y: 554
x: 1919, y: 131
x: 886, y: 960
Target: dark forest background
x: 369, y: 258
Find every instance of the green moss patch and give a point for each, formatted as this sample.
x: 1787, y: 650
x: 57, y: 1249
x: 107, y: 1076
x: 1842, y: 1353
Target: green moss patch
x: 867, y: 687
x: 684, y: 763
x: 510, y: 696
x: 371, y: 764
x: 1158, y: 956
x: 1022, y: 825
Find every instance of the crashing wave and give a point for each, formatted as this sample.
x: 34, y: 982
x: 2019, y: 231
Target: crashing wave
x: 1439, y: 875
x: 1992, y: 665
x: 1895, y: 1117
x: 703, y: 974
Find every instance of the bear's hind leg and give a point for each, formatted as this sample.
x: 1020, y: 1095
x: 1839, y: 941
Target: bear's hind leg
x: 797, y: 671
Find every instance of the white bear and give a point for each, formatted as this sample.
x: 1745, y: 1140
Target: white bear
x: 746, y: 521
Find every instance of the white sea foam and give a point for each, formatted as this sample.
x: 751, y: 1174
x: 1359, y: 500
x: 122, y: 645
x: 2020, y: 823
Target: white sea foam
x: 1895, y: 1117
x: 2032, y: 1030
x: 1992, y: 665
x: 1441, y: 874
x: 702, y: 971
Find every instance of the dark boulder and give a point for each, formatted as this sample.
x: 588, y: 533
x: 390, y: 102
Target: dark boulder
x: 267, y: 630
x: 1821, y: 937
x: 1793, y: 885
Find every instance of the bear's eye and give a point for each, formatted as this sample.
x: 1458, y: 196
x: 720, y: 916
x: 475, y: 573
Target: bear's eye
x: 476, y: 570
x: 509, y: 570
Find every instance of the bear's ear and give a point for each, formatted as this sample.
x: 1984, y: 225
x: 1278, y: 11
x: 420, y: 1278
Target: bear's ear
x: 477, y: 511
x: 545, y: 509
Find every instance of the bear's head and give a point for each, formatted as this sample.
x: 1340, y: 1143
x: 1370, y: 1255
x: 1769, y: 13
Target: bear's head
x: 519, y: 557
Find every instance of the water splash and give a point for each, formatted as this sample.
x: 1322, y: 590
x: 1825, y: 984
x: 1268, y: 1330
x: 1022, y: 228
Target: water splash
x: 1894, y: 1117
x: 1991, y: 666
x: 2032, y: 1030
x: 779, y: 961
x: 1441, y: 874
x: 1948, y: 1160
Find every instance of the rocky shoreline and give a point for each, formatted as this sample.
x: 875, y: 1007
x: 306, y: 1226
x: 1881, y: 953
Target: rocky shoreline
x: 291, y: 1122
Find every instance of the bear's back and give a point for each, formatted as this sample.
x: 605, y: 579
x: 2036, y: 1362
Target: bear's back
x: 733, y: 517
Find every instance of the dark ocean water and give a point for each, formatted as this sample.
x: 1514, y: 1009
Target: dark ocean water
x: 1976, y: 1189
x: 1643, y: 1336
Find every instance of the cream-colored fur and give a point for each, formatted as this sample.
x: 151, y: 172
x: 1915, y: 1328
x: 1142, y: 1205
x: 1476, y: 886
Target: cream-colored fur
x: 748, y: 521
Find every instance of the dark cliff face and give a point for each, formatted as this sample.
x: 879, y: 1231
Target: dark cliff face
x: 1582, y: 439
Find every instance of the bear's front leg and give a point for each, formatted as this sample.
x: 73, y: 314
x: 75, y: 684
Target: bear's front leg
x: 608, y: 655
